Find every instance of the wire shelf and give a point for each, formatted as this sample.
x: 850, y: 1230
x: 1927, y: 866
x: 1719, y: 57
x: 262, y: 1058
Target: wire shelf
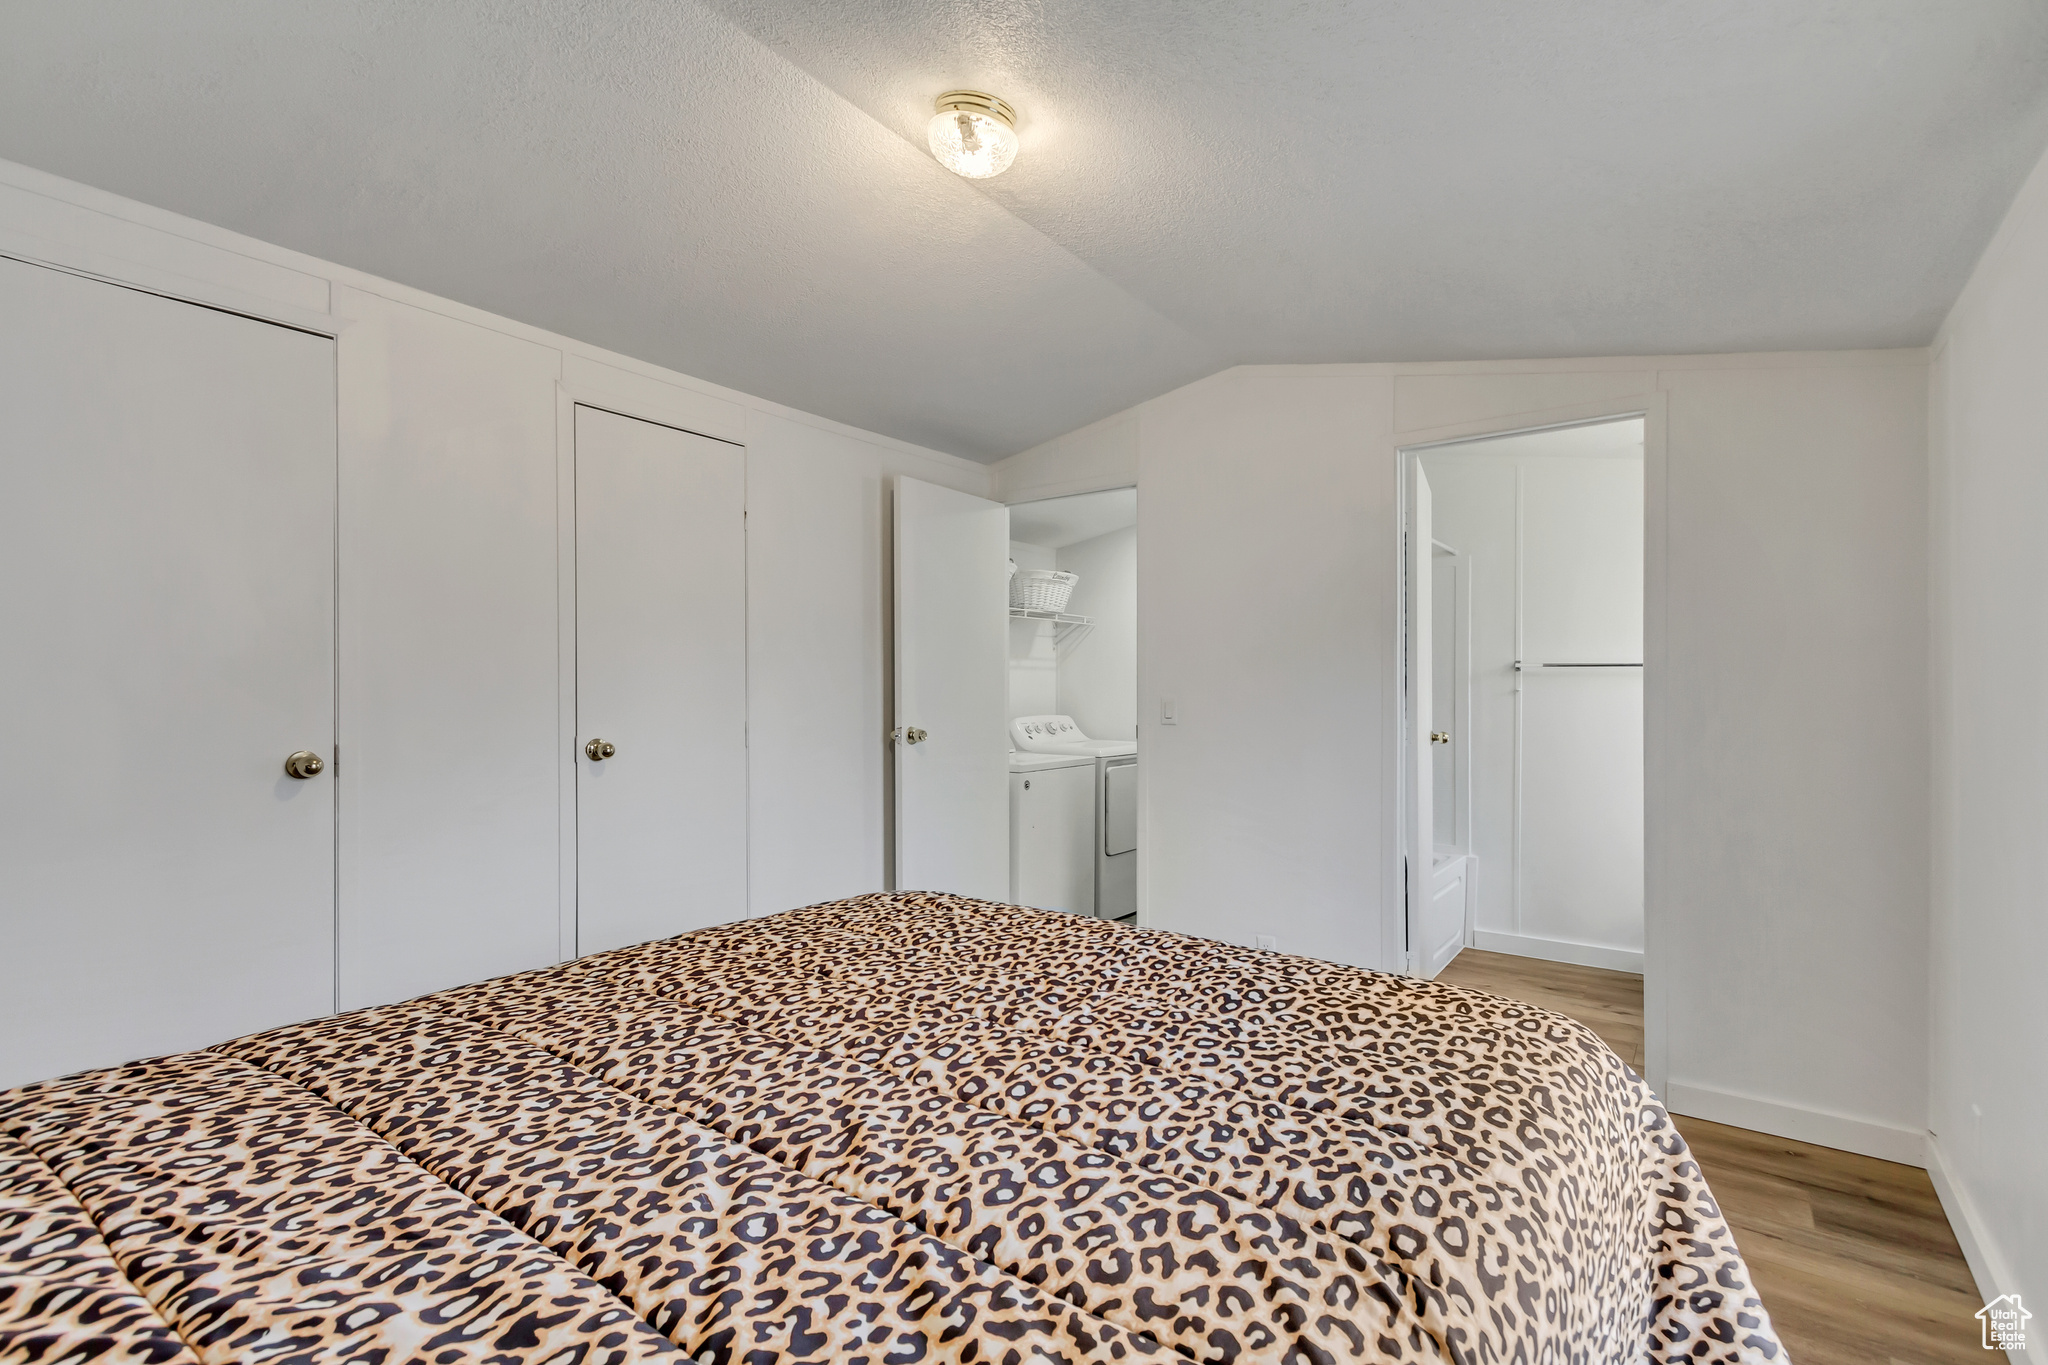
x: 1067, y: 627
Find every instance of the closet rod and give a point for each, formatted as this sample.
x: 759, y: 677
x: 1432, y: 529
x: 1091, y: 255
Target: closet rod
x: 1521, y: 667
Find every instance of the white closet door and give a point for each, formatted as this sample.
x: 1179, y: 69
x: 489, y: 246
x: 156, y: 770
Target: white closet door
x: 661, y: 677
x: 952, y: 691
x: 167, y: 601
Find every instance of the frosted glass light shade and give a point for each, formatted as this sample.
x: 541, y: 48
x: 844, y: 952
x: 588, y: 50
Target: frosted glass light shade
x: 973, y: 134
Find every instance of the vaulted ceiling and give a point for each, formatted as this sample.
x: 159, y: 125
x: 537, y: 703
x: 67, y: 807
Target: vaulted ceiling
x: 739, y: 188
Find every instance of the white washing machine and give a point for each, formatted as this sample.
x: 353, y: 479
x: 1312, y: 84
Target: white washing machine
x: 1115, y: 803
x: 1052, y: 832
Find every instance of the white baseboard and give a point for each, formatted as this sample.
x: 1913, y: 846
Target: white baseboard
x: 1558, y: 950
x: 1987, y: 1266
x: 1866, y: 1137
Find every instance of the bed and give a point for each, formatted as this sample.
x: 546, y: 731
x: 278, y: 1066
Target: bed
x: 897, y: 1128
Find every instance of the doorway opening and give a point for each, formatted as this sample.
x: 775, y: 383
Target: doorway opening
x: 1523, y: 688
x: 1073, y: 704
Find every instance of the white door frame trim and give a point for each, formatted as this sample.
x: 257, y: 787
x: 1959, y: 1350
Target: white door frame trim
x: 1403, y: 449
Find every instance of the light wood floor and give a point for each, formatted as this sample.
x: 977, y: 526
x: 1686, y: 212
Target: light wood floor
x: 1853, y: 1256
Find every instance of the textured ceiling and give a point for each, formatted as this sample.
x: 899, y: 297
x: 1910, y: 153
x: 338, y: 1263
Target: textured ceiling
x: 739, y: 189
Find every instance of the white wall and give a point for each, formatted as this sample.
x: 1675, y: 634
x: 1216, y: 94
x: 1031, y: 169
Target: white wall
x: 1266, y: 606
x: 1554, y: 546
x: 1793, y: 757
x: 1098, y: 672
x: 1785, y: 693
x: 450, y: 691
x: 1034, y: 661
x: 1989, y: 1043
x: 1034, y: 556
x: 456, y: 706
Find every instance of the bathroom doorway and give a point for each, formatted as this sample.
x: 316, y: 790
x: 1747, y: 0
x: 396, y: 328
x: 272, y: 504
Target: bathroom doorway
x: 1523, y: 657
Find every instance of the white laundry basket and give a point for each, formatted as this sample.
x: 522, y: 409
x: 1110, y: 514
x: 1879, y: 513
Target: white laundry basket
x: 1042, y: 589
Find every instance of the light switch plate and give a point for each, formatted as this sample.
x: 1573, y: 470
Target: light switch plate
x: 1169, y: 714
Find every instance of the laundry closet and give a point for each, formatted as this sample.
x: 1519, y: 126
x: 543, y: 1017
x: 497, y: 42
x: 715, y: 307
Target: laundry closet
x: 1073, y: 762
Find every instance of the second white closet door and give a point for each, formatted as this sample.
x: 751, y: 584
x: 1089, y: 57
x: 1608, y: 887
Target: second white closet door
x: 661, y: 676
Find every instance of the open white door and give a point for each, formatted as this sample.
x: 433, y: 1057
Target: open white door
x: 952, y: 692
x: 1432, y: 942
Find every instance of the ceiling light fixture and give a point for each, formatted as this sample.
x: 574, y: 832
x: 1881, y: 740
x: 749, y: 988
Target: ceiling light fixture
x: 973, y: 134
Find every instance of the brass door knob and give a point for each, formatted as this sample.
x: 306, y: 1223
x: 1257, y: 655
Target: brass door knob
x: 305, y: 763
x: 600, y: 750
x: 1439, y: 736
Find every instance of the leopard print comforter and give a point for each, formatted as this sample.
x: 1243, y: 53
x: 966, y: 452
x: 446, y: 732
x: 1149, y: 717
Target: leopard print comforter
x: 894, y: 1129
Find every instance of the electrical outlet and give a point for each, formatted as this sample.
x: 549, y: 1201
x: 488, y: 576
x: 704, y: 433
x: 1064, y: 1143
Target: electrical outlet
x: 1266, y: 943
